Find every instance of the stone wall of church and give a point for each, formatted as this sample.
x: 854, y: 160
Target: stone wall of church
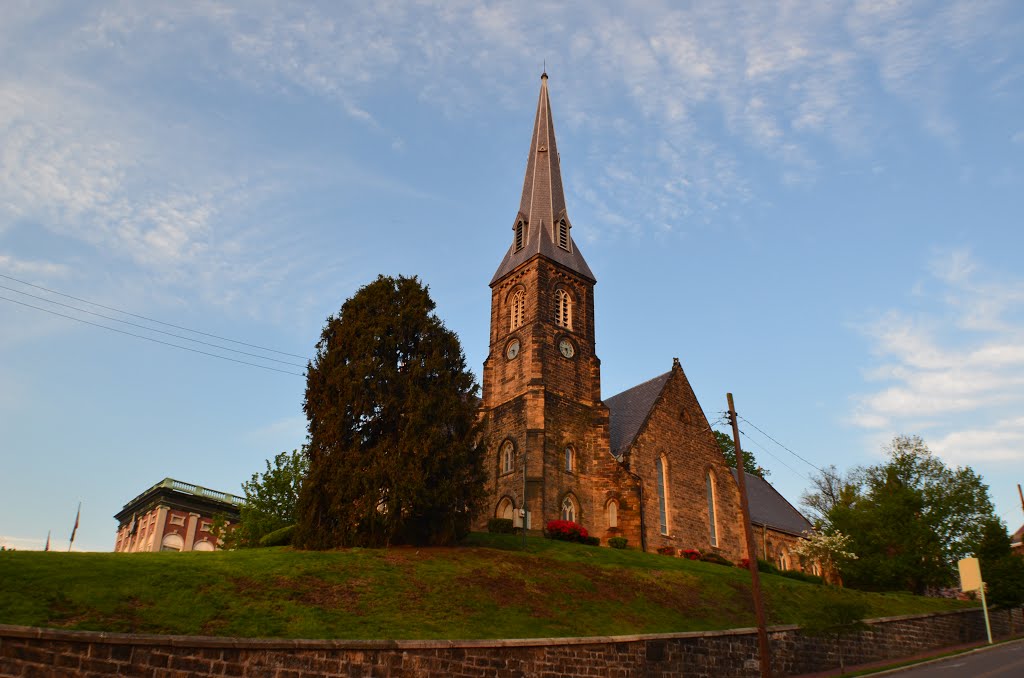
x: 678, y: 431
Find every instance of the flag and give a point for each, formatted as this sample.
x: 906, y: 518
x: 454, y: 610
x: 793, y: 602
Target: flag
x: 75, y: 528
x: 47, y: 548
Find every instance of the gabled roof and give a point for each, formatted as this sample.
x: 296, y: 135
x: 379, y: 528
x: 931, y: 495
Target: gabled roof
x: 543, y: 200
x: 770, y: 509
x: 628, y: 411
x: 1018, y: 536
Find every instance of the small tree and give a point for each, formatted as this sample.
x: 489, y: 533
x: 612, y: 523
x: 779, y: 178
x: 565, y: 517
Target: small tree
x: 834, y: 619
x: 395, y: 449
x: 271, y: 498
x: 830, y: 550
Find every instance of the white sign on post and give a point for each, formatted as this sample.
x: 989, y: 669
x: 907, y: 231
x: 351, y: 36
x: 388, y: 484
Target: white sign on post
x: 970, y: 580
x: 970, y: 574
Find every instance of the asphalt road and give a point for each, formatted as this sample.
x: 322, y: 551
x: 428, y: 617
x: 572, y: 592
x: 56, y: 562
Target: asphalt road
x: 1002, y: 661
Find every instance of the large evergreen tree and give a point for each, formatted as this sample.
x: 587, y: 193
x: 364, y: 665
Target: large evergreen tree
x: 395, y: 450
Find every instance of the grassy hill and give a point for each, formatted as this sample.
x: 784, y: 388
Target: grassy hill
x: 488, y: 588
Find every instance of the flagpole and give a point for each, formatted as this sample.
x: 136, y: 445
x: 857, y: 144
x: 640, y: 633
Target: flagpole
x: 75, y: 528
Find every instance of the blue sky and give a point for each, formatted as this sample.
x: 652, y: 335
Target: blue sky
x: 815, y: 206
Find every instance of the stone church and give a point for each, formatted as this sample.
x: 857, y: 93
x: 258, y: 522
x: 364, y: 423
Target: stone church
x: 643, y: 464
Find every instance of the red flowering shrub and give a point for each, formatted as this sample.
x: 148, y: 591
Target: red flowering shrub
x: 565, y: 530
x: 667, y: 551
x: 745, y: 563
x: 691, y: 554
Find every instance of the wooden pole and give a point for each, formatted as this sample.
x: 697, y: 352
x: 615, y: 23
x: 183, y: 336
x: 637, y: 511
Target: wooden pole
x: 755, y: 575
x: 1021, y: 493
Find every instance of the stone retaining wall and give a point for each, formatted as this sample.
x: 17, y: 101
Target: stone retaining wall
x: 26, y: 651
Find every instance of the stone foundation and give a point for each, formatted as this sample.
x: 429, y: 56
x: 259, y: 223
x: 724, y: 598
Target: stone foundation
x: 26, y: 651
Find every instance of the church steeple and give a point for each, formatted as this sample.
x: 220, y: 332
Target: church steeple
x: 542, y: 225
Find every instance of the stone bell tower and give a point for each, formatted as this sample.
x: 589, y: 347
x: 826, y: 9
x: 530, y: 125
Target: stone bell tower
x: 542, y: 377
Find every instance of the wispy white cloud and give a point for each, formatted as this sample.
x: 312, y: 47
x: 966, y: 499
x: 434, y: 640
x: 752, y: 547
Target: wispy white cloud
x: 963, y: 362
x: 781, y: 78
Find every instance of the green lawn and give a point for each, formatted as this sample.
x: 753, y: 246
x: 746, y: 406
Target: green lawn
x: 487, y: 588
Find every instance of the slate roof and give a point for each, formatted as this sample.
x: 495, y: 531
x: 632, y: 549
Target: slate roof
x: 628, y: 411
x: 769, y: 508
x: 543, y: 200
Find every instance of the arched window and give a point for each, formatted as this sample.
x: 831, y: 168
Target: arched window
x: 563, y: 309
x: 520, y: 230
x: 712, y: 520
x: 563, y: 234
x: 172, y: 542
x: 613, y: 513
x: 508, y: 456
x: 569, y: 509
x: 662, y: 494
x: 203, y: 545
x: 518, y: 308
x: 570, y: 459
x: 506, y: 509
x: 783, y: 558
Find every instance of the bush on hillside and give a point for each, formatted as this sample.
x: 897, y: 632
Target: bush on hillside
x: 617, y: 542
x: 281, y: 537
x: 801, y: 576
x: 690, y: 554
x: 591, y: 541
x: 712, y: 557
x: 667, y: 550
x: 500, y: 526
x: 565, y: 530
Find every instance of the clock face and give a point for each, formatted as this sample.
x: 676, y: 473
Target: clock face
x: 566, y: 347
x: 512, y: 350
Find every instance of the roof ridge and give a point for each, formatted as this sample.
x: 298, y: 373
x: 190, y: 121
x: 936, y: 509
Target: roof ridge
x: 643, y: 383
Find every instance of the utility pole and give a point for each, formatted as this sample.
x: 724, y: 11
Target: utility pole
x: 755, y: 576
x: 1021, y: 497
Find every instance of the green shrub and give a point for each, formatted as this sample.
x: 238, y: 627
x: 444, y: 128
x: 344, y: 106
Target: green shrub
x: 281, y: 537
x: 500, y: 526
x: 667, y: 550
x: 766, y: 567
x: 712, y: 557
x: 617, y: 542
x: 591, y: 541
x: 801, y: 576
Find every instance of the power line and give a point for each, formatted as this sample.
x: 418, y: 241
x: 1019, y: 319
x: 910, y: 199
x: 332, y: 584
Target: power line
x: 781, y: 445
x: 151, y: 329
x: 152, y: 320
x: 157, y: 341
x: 773, y: 456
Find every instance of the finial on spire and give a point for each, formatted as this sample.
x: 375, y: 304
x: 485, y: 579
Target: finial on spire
x: 544, y: 73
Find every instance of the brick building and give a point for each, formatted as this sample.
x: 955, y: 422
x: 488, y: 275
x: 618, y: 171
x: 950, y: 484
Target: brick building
x: 174, y: 516
x: 643, y: 464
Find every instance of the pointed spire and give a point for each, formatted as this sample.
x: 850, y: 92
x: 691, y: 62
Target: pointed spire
x: 542, y: 206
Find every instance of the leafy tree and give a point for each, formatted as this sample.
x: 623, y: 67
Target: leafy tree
x: 395, y: 449
x: 832, y: 490
x: 728, y: 447
x: 895, y: 548
x: 956, y: 504
x: 995, y: 542
x: 909, y: 519
x: 270, y: 498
